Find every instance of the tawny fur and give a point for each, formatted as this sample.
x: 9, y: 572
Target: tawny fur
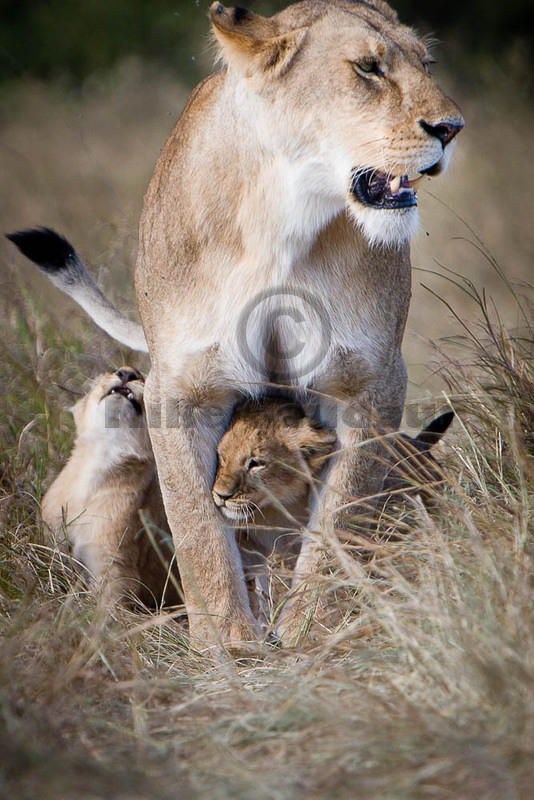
x: 269, y: 466
x: 269, y: 461
x: 250, y: 226
x: 93, y: 506
x: 252, y: 193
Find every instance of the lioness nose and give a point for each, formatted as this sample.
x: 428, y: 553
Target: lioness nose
x: 444, y: 131
x: 126, y: 375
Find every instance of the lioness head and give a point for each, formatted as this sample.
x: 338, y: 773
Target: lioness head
x: 113, y: 410
x: 269, y: 455
x: 343, y: 92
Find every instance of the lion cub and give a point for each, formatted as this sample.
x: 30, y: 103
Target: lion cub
x: 268, y: 462
x: 273, y: 453
x: 93, y: 505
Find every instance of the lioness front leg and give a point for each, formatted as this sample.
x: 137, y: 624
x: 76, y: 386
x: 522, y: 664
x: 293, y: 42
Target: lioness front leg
x: 353, y: 479
x: 208, y: 558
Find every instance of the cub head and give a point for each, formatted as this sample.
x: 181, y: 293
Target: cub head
x: 342, y: 92
x: 113, y: 410
x: 268, y: 456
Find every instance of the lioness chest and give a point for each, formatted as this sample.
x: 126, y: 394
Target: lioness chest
x: 261, y: 324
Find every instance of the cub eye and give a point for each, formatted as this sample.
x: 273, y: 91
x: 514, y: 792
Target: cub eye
x: 255, y: 463
x: 368, y: 66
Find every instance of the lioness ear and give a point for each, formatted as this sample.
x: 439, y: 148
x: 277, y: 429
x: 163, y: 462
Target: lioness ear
x: 314, y: 439
x: 252, y: 42
x: 277, y: 54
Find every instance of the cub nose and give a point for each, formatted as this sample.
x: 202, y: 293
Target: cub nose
x: 444, y: 131
x: 220, y: 497
x: 126, y: 375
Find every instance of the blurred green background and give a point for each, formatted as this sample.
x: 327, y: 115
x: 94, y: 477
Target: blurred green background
x: 73, y: 39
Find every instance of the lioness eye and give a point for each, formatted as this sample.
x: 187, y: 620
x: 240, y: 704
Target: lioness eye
x: 369, y: 67
x: 255, y: 463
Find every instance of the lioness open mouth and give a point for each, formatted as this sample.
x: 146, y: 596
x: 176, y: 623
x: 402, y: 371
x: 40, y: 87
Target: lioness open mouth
x: 128, y: 394
x: 377, y: 189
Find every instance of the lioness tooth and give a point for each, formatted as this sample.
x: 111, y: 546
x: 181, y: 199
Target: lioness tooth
x: 394, y: 186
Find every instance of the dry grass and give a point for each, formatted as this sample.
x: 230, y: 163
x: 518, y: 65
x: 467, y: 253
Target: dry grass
x: 426, y: 690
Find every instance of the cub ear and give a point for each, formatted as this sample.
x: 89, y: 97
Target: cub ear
x: 315, y: 439
x: 253, y: 43
x: 435, y: 430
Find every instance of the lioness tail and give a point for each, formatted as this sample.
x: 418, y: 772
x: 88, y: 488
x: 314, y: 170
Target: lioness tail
x: 56, y: 257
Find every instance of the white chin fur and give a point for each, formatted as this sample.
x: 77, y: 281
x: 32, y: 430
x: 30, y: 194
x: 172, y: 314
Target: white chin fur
x: 389, y: 227
x: 234, y: 515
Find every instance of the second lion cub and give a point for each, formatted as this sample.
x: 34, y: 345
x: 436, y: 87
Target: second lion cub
x: 93, y: 505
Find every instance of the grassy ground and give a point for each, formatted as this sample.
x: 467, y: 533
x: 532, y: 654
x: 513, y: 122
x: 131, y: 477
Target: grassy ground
x: 426, y: 690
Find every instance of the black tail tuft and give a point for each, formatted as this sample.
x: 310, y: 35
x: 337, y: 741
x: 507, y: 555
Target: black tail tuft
x: 435, y: 430
x: 44, y: 247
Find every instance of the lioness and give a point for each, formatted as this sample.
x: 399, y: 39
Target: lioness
x: 274, y: 247
x: 93, y: 505
x: 288, y: 183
